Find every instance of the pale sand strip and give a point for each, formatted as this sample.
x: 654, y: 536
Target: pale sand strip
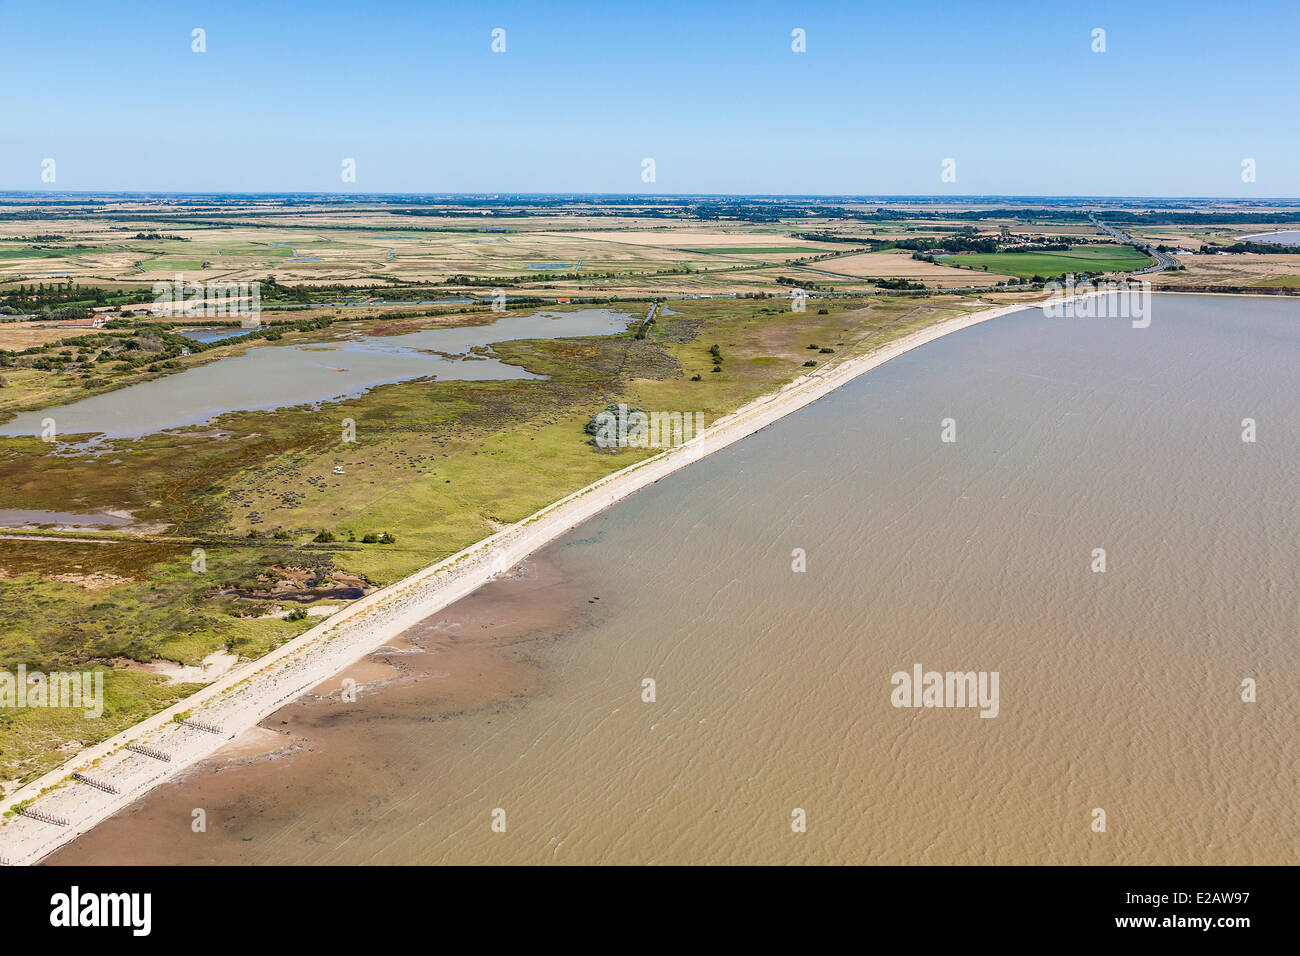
x: 250, y: 692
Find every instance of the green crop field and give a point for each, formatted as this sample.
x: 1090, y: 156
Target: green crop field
x: 171, y: 265
x: 34, y: 253
x: 1079, y: 259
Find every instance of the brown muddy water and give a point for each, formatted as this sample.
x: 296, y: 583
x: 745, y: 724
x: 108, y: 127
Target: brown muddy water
x: 1119, y: 691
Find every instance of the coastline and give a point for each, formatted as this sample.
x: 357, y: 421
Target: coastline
x: 249, y: 692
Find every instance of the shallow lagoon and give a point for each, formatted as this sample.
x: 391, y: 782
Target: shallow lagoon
x: 284, y: 375
x: 1290, y: 238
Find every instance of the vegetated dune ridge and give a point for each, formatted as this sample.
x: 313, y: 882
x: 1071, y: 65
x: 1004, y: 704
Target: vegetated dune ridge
x: 248, y: 693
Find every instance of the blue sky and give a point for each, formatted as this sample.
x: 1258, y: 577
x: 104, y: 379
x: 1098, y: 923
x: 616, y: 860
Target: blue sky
x: 711, y: 91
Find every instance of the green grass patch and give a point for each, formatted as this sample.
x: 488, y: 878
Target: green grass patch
x: 1078, y: 259
x: 34, y: 740
x: 171, y: 265
x: 29, y: 253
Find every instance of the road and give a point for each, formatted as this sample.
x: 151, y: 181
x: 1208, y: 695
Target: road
x: 1163, y: 259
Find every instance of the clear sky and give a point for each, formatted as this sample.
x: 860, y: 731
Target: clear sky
x: 713, y: 92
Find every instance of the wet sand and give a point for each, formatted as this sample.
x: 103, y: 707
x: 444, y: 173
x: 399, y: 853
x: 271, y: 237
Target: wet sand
x: 471, y: 662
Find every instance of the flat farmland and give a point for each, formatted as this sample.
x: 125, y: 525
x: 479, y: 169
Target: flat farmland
x: 901, y: 265
x: 16, y: 336
x: 718, y: 241
x: 1239, y: 269
x: 1079, y: 259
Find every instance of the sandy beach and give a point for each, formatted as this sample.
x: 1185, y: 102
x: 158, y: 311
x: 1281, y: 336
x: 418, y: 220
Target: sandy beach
x: 57, y: 808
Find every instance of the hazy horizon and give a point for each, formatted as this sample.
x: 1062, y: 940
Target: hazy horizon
x: 490, y: 194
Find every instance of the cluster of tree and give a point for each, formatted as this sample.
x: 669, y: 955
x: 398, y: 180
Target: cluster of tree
x: 758, y: 212
x: 599, y: 421
x: 795, y: 283
x: 870, y: 241
x: 1160, y: 218
x: 906, y: 285
x: 154, y: 347
x: 953, y: 243
x: 1259, y: 248
x: 42, y: 298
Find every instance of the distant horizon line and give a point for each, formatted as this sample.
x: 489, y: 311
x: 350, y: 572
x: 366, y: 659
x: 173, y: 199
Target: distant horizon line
x: 496, y: 195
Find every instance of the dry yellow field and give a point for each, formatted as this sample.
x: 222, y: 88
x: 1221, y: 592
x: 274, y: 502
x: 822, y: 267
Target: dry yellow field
x: 16, y: 336
x: 1230, y: 269
x: 901, y: 265
x: 675, y: 238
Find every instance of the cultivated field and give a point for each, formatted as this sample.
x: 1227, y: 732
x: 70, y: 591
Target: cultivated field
x: 901, y: 265
x: 1079, y: 259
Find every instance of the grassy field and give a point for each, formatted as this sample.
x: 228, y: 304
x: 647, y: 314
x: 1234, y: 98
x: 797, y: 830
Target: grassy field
x: 1079, y: 259
x: 39, y: 253
x: 34, y: 740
